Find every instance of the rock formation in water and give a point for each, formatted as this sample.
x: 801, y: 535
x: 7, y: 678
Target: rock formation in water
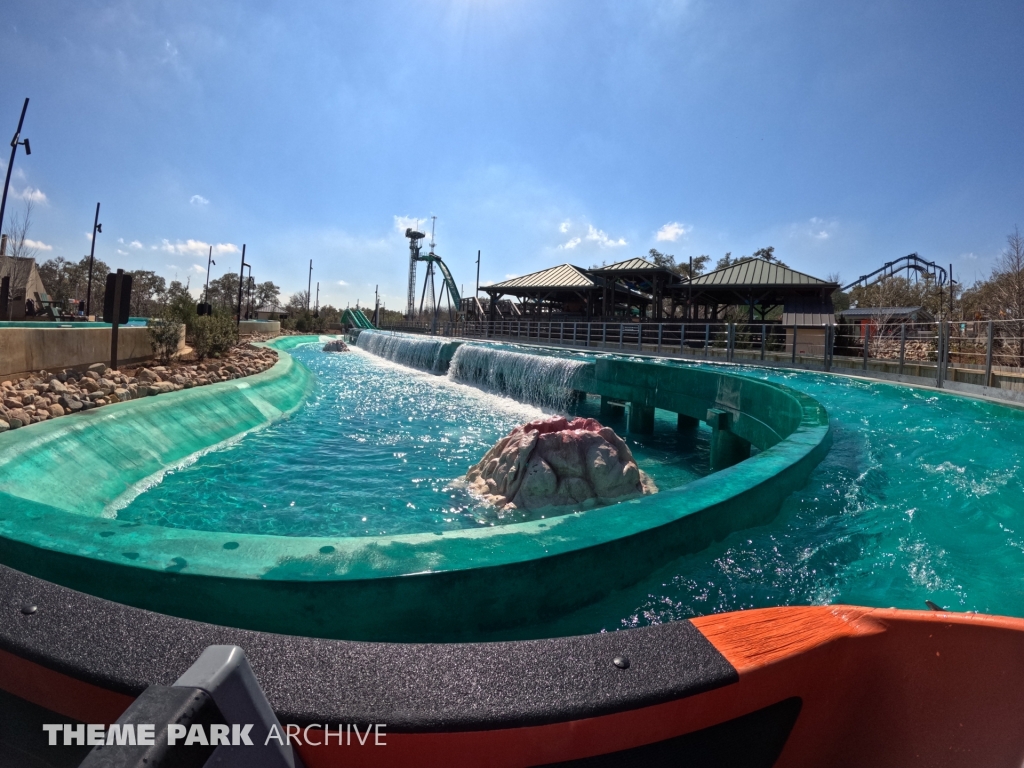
x: 336, y: 345
x: 555, y: 462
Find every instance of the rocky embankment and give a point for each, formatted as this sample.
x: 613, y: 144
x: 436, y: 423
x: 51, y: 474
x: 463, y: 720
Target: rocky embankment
x: 50, y: 395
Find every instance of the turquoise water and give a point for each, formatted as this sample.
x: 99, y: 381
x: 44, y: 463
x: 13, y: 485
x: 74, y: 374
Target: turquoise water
x: 377, y: 449
x: 920, y: 498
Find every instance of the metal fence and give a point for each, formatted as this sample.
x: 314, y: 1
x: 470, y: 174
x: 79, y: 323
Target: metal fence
x: 982, y: 353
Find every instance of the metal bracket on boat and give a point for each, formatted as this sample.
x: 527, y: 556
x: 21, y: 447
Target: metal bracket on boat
x: 220, y: 691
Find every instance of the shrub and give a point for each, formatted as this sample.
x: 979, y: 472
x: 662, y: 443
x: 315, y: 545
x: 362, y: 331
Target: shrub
x: 213, y: 335
x: 165, y: 333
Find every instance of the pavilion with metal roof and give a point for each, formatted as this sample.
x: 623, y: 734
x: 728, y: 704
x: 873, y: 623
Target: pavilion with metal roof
x: 642, y: 276
x: 639, y: 288
x: 568, y: 290
x: 760, y: 286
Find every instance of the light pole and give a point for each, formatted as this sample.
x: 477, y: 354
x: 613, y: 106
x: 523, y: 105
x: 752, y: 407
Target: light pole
x: 209, y: 261
x: 10, y: 165
x: 96, y: 228
x: 316, y: 310
x: 309, y: 285
x: 241, y: 277
x: 248, y: 292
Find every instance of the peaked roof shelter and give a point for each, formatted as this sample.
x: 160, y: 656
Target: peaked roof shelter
x: 757, y: 284
x: 19, y: 280
x: 643, y: 276
x: 628, y: 288
x: 565, y: 289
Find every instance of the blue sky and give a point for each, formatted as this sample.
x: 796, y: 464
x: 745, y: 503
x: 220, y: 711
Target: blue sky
x: 539, y: 131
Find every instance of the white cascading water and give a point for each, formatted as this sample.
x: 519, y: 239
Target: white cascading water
x: 537, y: 379
x: 421, y: 352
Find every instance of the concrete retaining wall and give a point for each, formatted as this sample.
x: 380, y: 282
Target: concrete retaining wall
x: 263, y: 327
x: 27, y: 350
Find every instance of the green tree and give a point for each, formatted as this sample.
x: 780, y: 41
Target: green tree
x: 148, y: 290
x: 224, y: 292
x: 266, y: 295
x: 682, y: 268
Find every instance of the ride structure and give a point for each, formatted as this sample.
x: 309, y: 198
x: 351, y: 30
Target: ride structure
x: 356, y: 318
x: 914, y: 266
x: 449, y: 291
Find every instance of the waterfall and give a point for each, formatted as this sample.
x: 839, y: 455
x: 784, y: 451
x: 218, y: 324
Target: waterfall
x: 537, y: 379
x: 424, y: 352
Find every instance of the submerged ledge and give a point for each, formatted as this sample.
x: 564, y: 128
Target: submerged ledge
x: 57, y: 479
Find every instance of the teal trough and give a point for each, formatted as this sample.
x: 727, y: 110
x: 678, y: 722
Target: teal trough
x: 62, y: 481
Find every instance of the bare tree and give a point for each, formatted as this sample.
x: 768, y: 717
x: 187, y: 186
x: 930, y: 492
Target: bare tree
x: 14, y: 260
x: 1008, y: 291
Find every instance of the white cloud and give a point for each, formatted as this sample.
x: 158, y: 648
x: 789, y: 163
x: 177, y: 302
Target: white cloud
x: 123, y: 253
x: 598, y: 236
x: 342, y: 282
x: 88, y: 235
x: 407, y: 222
x: 510, y: 277
x: 198, y: 200
x: 593, y: 235
x: 815, y: 228
x: 197, y: 248
x: 32, y: 195
x: 673, y: 231
x: 200, y: 268
x: 37, y: 244
x: 135, y: 244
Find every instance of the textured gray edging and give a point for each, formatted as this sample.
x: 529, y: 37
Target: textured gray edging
x: 411, y: 687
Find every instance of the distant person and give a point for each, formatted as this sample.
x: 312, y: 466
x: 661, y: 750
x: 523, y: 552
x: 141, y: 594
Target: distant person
x: 81, y: 309
x: 30, y: 308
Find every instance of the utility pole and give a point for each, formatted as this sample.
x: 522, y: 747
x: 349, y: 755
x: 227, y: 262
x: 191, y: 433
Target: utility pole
x: 241, y: 277
x: 316, y: 307
x: 96, y: 228
x: 10, y: 165
x: 309, y: 285
x: 209, y: 261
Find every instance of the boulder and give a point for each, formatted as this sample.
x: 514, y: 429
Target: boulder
x: 559, y: 465
x: 336, y: 345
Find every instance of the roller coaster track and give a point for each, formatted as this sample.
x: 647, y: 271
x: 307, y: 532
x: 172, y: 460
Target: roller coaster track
x: 910, y: 263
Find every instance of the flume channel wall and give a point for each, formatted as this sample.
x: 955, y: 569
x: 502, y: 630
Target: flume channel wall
x: 59, y: 481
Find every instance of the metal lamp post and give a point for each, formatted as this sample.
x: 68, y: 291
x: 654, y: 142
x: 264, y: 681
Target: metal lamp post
x: 209, y: 261
x: 96, y: 228
x: 309, y: 285
x: 10, y: 165
x: 241, y: 277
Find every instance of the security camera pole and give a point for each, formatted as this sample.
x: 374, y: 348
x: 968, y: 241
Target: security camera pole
x: 96, y: 227
x: 10, y: 165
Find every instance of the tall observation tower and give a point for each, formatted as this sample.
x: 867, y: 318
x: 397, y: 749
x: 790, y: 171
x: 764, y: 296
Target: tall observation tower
x: 414, y: 256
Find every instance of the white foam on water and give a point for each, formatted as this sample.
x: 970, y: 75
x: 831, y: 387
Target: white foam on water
x: 423, y: 352
x: 539, y: 379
